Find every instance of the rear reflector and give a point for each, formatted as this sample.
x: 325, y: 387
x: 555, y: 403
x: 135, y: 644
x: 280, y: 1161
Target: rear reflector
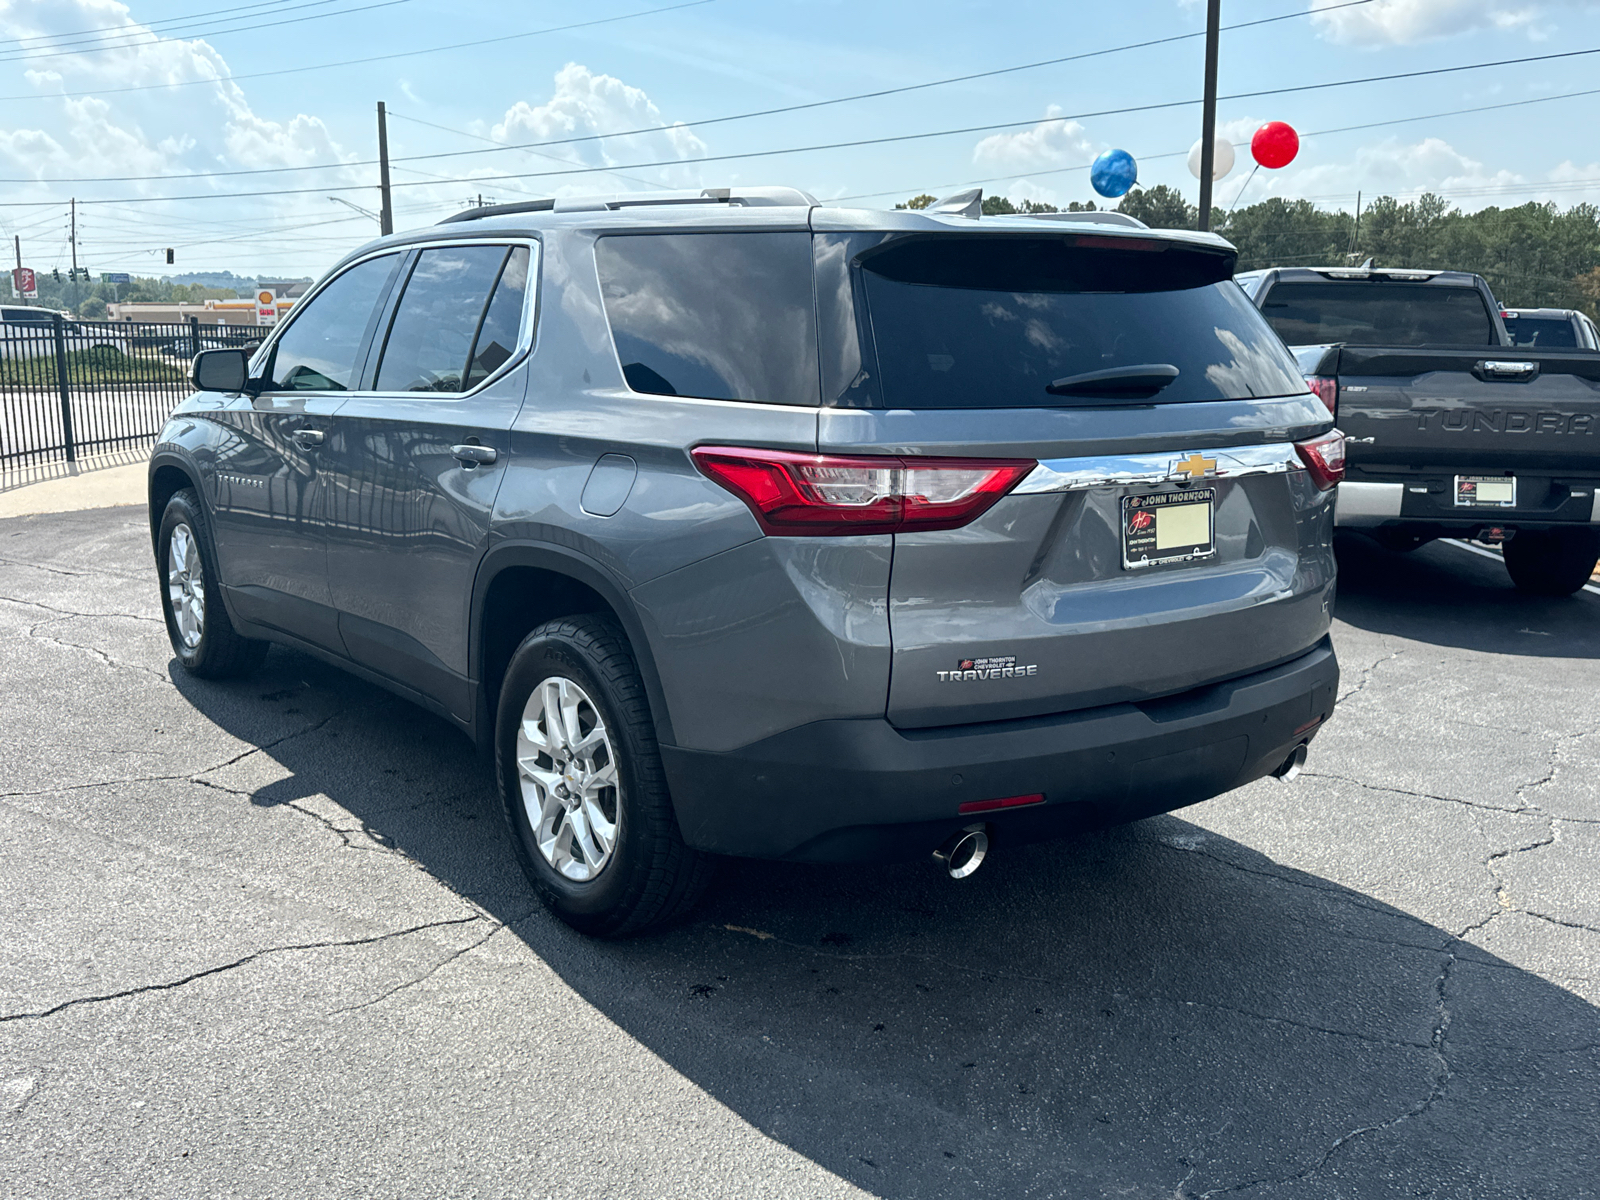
x: 1324, y: 458
x: 825, y: 495
x: 978, y: 806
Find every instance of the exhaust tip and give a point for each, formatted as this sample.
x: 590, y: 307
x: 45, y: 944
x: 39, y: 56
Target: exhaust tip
x: 1289, y: 770
x: 963, y: 852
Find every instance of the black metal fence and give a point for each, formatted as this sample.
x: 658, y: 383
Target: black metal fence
x: 73, y: 389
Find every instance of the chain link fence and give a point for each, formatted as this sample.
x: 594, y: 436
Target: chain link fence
x: 79, y: 389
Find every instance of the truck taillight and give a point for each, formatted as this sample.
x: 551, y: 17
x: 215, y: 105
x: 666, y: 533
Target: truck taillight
x: 1326, y: 389
x: 824, y: 495
x: 1324, y: 458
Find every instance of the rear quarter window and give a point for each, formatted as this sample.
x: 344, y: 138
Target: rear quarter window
x: 722, y: 316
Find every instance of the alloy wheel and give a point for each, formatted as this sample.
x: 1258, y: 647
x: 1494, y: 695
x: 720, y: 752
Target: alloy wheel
x: 186, y: 585
x: 568, y: 772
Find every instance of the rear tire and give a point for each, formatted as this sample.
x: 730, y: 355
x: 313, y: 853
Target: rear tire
x: 1553, y: 562
x: 584, y: 793
x: 198, y: 627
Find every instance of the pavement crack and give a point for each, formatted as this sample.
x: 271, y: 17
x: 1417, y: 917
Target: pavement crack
x: 173, y: 984
x: 113, y: 663
x: 431, y: 971
x: 1366, y: 676
x: 1558, y: 921
x: 67, y: 612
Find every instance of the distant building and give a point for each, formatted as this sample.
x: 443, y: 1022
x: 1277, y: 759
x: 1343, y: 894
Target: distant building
x: 210, y: 312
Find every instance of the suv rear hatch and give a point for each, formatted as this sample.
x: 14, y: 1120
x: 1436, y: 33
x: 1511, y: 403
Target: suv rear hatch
x: 1170, y: 536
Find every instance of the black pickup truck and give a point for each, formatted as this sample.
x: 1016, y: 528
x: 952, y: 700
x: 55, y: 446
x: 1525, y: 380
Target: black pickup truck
x: 1451, y: 430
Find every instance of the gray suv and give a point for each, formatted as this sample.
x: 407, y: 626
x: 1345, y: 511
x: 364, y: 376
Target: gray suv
x: 730, y: 524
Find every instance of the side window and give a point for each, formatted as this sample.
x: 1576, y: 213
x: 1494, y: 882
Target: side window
x: 317, y: 352
x: 724, y: 316
x: 502, y: 324
x: 431, y: 337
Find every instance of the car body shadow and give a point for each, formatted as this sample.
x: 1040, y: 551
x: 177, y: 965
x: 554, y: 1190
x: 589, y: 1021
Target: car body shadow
x: 1153, y: 1010
x: 1444, y: 595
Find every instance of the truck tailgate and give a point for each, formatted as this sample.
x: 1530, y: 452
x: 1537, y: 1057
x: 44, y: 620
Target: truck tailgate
x: 1482, y: 408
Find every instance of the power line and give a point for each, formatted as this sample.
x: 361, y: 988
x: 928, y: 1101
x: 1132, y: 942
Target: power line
x: 753, y: 154
x: 498, y: 147
x: 1454, y: 112
x: 352, y: 62
x: 45, y: 37
x: 154, y: 38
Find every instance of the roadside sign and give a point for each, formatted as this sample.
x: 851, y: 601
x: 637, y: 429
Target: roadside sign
x: 266, y: 307
x: 115, y: 277
x: 24, y: 283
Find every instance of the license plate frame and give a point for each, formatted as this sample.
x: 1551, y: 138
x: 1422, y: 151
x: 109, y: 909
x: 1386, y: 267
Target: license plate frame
x: 1471, y: 489
x: 1143, y: 527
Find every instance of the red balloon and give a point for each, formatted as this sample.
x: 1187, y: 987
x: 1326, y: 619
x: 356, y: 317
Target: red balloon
x: 1275, y: 144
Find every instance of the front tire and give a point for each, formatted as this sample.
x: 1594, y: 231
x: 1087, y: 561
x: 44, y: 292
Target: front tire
x: 581, y: 782
x: 198, y: 627
x: 1552, y: 562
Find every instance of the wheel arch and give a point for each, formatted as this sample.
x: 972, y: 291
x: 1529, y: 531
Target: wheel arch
x: 169, y: 474
x: 521, y: 585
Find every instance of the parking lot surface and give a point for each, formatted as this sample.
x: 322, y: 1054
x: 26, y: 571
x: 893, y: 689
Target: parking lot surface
x: 264, y: 938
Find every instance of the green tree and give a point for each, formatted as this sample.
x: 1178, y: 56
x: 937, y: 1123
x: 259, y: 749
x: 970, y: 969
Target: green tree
x: 1160, y: 207
x: 921, y: 201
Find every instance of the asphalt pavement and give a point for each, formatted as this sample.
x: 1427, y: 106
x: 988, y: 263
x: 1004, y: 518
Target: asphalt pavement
x: 265, y: 939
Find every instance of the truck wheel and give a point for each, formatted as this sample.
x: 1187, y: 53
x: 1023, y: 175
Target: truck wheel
x: 582, y: 785
x: 1554, y: 562
x: 197, y: 625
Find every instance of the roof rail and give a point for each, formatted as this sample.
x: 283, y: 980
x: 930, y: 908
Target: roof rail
x: 753, y: 197
x: 1099, y: 217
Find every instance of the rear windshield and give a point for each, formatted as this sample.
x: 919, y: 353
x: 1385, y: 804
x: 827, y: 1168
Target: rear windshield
x: 991, y: 322
x: 1541, y: 331
x: 1379, y: 313
x: 724, y: 316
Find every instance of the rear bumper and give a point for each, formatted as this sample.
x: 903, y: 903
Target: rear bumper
x: 862, y: 790
x: 1422, y: 506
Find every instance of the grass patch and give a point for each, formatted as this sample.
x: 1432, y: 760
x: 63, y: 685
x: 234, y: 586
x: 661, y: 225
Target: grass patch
x: 96, y: 365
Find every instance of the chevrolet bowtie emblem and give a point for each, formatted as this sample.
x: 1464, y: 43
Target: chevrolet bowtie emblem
x: 1194, y: 466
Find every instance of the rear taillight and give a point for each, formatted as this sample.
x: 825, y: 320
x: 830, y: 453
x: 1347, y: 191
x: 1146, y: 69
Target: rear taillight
x: 1326, y: 389
x: 1324, y: 458
x: 822, y: 495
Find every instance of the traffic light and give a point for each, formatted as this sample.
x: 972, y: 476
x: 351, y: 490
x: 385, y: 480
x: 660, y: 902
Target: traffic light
x: 55, y: 274
x: 169, y: 256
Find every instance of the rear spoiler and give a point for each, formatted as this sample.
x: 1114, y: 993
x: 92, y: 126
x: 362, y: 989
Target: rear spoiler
x: 1486, y: 362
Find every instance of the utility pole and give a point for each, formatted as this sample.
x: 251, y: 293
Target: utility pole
x: 18, y: 238
x: 72, y: 238
x: 385, y: 210
x: 1355, y: 238
x: 1208, y: 131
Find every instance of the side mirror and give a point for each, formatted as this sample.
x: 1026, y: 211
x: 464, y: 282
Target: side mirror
x: 220, y: 370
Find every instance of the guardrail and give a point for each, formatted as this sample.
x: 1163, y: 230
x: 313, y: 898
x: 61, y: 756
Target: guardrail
x: 71, y: 389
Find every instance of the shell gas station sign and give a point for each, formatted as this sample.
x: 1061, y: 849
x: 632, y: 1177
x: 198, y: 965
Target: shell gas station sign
x: 266, y: 307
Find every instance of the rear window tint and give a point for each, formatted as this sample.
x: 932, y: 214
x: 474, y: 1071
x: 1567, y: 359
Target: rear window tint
x: 975, y: 322
x: 1378, y: 314
x: 1541, y: 331
x: 723, y: 316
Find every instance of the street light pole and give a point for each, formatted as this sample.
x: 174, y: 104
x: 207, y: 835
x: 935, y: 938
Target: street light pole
x: 1208, y: 131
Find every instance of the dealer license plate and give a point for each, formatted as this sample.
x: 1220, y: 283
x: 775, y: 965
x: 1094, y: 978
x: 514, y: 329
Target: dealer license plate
x: 1486, y: 491
x: 1167, y: 527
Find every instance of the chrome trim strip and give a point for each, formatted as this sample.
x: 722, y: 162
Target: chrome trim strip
x: 1368, y: 503
x: 1594, y: 511
x: 1123, y: 470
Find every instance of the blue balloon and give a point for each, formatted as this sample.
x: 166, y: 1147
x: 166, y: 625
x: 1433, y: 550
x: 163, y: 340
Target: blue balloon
x: 1113, y: 173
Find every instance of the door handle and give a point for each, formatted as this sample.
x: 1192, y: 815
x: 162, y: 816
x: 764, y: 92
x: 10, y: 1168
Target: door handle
x: 474, y: 455
x: 308, y: 438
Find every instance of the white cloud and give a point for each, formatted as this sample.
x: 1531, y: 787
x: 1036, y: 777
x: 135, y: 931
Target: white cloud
x: 585, y: 103
x: 1051, y: 143
x: 1401, y: 22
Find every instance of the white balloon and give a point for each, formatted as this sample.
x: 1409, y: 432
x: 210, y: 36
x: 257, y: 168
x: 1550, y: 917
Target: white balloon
x: 1221, y: 159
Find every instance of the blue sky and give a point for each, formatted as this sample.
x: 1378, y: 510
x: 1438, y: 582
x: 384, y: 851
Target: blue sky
x: 67, y: 122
